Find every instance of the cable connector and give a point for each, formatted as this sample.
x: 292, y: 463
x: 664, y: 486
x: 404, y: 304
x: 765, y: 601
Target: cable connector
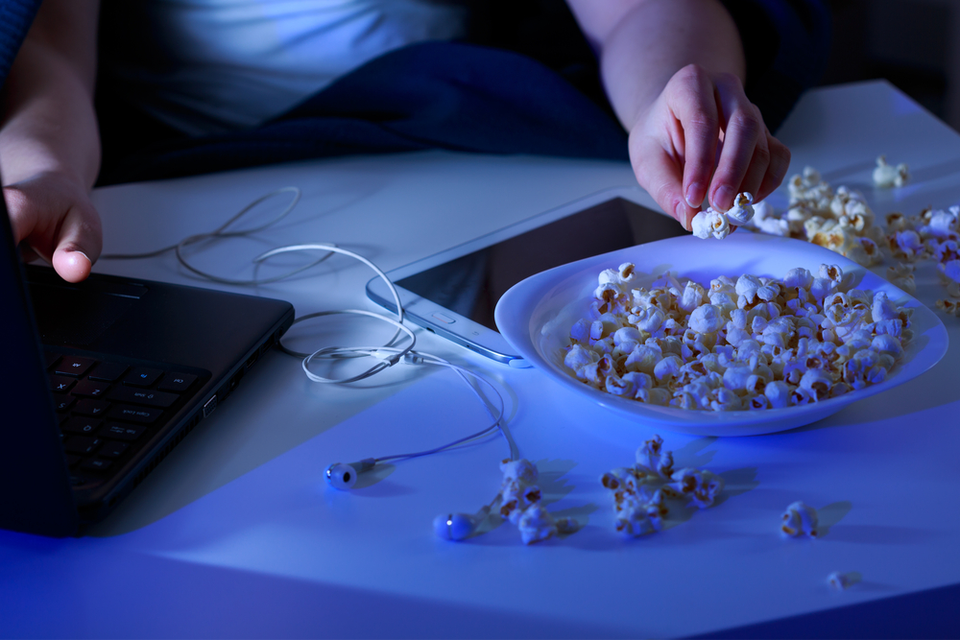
x: 389, y: 358
x: 411, y: 357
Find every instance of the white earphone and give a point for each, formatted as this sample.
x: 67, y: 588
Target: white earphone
x: 343, y: 476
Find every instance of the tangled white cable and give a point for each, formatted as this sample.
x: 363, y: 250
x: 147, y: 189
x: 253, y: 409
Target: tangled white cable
x: 339, y: 475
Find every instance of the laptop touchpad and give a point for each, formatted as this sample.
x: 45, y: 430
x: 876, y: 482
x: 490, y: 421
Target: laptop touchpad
x: 77, y: 315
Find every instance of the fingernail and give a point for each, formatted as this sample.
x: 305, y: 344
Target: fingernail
x: 694, y: 195
x: 681, y: 215
x: 723, y: 197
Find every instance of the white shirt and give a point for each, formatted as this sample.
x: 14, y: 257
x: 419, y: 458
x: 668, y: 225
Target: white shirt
x: 217, y: 65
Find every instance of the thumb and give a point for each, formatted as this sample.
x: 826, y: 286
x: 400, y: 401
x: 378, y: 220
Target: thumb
x: 79, y: 243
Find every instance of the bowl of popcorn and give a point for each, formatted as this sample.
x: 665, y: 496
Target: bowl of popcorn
x: 752, y: 334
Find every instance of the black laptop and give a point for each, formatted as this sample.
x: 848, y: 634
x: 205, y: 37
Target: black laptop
x: 103, y: 378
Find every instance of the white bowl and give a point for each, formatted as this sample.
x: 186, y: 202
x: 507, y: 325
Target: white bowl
x: 535, y: 316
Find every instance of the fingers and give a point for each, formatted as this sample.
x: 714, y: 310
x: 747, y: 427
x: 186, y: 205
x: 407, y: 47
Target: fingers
x: 695, y: 106
x: 777, y: 171
x: 721, y: 147
x: 745, y: 156
x: 53, y: 218
x: 659, y: 170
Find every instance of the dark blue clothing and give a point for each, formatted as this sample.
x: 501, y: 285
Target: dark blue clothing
x: 448, y: 95
x: 15, y: 19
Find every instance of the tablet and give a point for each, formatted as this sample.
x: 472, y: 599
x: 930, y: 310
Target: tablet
x: 453, y: 293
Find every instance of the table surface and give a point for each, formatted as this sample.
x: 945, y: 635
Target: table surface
x: 236, y: 534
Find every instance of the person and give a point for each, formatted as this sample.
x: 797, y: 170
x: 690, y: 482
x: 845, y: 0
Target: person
x: 674, y: 72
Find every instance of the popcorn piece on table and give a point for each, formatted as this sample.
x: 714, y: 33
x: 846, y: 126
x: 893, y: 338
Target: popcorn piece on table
x: 799, y: 520
x: 952, y: 307
x: 536, y: 524
x: 520, y: 503
x: 885, y: 175
x: 841, y: 580
x: 640, y: 493
x: 901, y: 275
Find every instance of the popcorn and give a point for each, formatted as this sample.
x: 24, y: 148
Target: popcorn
x: 710, y: 223
x: 755, y: 342
x: 901, y: 275
x: 840, y: 581
x: 886, y: 175
x: 702, y: 487
x: 639, y: 519
x: 706, y: 318
x: 653, y: 460
x: 641, y: 493
x: 799, y: 520
x: 741, y: 212
x: 536, y: 524
x: 718, y: 224
x: 952, y: 307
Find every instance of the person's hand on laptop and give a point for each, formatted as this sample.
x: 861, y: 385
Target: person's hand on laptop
x: 54, y: 219
x: 674, y: 72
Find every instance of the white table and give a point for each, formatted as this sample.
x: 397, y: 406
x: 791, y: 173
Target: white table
x: 236, y: 534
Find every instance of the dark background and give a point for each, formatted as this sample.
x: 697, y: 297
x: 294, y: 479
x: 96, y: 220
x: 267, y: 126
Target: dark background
x: 914, y: 44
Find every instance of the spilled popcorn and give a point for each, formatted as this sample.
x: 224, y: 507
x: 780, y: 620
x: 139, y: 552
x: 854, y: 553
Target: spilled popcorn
x: 799, y: 520
x: 640, y: 493
x: 840, y: 581
x: 519, y: 503
x: 750, y: 343
x: 886, y: 175
x: 719, y: 224
x: 840, y: 219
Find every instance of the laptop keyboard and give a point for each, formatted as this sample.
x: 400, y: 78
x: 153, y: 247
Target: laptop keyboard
x: 109, y: 410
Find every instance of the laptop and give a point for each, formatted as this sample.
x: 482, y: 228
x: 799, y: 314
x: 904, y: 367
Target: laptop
x: 103, y: 378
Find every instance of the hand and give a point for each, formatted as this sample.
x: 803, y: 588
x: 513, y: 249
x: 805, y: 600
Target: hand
x: 702, y: 137
x: 53, y: 214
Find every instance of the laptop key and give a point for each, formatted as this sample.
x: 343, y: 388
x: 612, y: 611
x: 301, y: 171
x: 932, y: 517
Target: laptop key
x: 91, y: 407
x: 113, y: 449
x: 80, y: 425
x: 95, y: 464
x: 62, y: 402
x: 73, y: 366
x: 61, y: 384
x: 176, y: 382
x: 148, y: 397
x: 144, y: 415
x: 108, y: 371
x: 81, y: 444
x: 142, y: 377
x: 123, y: 431
x: 91, y: 388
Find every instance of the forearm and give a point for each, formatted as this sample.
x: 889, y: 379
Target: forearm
x: 47, y: 118
x: 49, y: 122
x: 643, y: 43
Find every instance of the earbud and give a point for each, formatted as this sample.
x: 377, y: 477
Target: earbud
x: 458, y: 526
x: 343, y: 476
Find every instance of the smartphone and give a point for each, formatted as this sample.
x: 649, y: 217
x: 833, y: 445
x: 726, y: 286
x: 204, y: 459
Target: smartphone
x: 453, y: 293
